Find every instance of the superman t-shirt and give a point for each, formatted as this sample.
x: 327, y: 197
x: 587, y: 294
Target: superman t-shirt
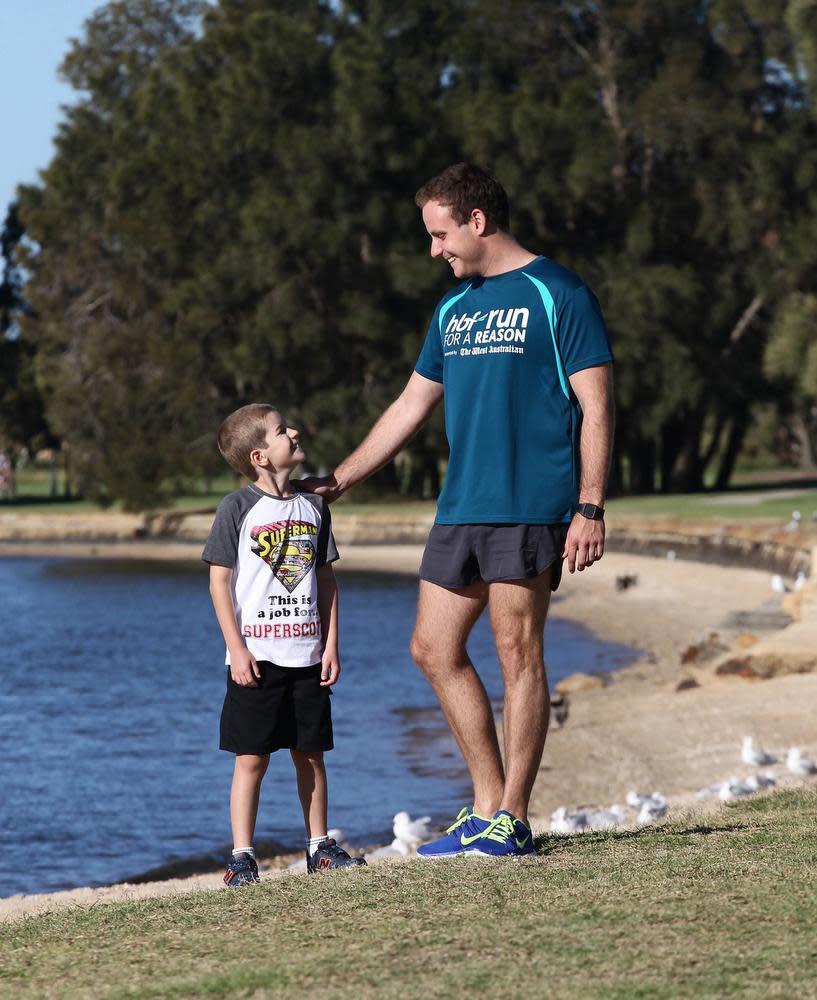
x: 274, y: 546
x: 504, y: 348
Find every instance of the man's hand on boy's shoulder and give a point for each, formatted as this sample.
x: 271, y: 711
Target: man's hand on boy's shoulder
x: 324, y: 486
x: 244, y: 668
x: 330, y: 667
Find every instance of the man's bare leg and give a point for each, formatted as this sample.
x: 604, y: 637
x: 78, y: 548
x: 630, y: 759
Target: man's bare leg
x: 518, y: 610
x: 444, y: 622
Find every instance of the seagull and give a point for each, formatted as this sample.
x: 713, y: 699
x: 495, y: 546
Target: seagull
x: 778, y: 585
x: 755, y: 755
x: 559, y: 707
x: 562, y: 821
x: 794, y: 523
x: 702, y: 793
x: 396, y: 849
x: 412, y: 832
x: 638, y: 799
x: 800, y: 581
x: 605, y: 819
x: 757, y: 782
x: 653, y: 809
x: 798, y: 763
x: 670, y: 554
x: 733, y: 788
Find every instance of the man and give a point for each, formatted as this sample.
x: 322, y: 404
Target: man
x: 520, y: 350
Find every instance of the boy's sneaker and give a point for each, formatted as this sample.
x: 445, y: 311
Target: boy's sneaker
x: 328, y: 855
x: 506, y: 837
x: 463, y: 835
x: 242, y: 870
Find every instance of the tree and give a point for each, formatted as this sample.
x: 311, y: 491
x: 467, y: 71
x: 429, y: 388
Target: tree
x: 654, y: 148
x: 96, y: 313
x: 229, y: 216
x: 22, y: 422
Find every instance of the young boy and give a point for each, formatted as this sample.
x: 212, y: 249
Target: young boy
x: 270, y: 552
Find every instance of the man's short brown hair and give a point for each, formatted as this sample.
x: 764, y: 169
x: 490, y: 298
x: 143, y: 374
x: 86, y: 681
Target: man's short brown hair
x: 463, y: 187
x: 242, y: 432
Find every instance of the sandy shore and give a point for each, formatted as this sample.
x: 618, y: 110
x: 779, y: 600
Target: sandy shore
x: 637, y: 731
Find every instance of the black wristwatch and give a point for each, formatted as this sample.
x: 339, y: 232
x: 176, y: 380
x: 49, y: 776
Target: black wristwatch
x: 591, y: 511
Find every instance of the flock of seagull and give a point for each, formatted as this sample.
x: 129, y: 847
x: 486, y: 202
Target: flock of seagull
x: 652, y: 807
x: 648, y: 806
x: 754, y: 755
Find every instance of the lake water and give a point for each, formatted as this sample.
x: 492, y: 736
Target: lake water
x: 112, y: 683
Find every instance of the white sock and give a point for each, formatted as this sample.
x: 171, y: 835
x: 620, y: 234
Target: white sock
x: 244, y: 850
x: 312, y: 843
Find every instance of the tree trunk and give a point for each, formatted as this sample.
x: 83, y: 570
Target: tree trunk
x: 800, y: 426
x: 615, y: 486
x: 642, y: 465
x: 687, y: 472
x: 52, y: 471
x: 671, y: 442
x: 423, y: 480
x: 734, y: 442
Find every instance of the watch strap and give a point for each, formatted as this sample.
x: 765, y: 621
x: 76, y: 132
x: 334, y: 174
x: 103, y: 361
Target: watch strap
x: 591, y: 511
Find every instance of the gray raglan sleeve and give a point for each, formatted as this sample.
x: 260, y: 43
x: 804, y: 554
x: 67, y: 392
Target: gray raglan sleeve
x: 327, y: 550
x: 221, y: 548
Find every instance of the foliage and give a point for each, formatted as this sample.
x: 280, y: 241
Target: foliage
x: 228, y: 216
x: 22, y: 421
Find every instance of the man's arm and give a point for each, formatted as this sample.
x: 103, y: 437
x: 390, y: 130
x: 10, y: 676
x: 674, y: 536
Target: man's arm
x: 594, y: 390
x: 399, y: 423
x: 243, y: 666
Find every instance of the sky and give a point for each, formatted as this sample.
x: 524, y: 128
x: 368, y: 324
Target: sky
x: 34, y: 38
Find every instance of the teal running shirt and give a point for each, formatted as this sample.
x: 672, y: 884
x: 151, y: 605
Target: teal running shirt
x: 503, y: 347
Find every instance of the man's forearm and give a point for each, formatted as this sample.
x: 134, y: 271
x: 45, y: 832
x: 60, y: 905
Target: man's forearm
x: 399, y: 423
x: 596, y: 450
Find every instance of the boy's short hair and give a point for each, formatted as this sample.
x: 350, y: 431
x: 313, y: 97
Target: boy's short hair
x: 463, y: 187
x: 242, y: 432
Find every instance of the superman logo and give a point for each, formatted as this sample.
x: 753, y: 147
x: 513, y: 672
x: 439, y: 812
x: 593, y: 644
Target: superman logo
x: 287, y: 548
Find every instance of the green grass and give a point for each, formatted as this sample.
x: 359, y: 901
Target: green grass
x: 34, y: 486
x: 716, y: 507
x: 744, y: 502
x: 725, y: 906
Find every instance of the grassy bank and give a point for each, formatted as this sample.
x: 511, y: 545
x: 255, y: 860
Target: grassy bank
x: 761, y: 501
x: 710, y: 908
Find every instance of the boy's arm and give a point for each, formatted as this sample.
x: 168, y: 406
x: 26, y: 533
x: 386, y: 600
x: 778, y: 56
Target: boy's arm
x: 328, y: 610
x: 243, y: 666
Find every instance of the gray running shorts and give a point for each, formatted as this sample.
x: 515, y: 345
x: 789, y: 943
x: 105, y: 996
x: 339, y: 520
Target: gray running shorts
x: 457, y: 555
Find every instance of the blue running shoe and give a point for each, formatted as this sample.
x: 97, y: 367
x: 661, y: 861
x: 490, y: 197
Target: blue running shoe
x: 462, y: 836
x: 505, y: 837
